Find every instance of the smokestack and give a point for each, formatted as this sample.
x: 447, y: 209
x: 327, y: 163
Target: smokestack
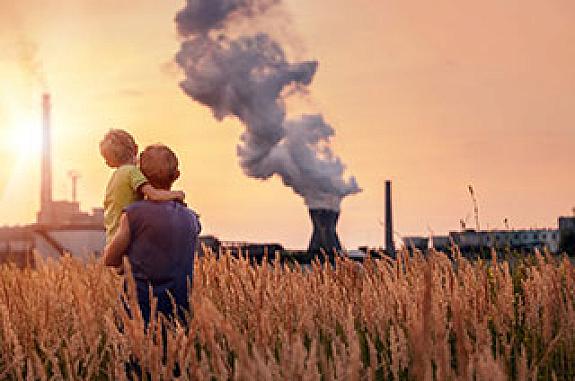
x: 389, y: 245
x: 324, y: 237
x: 74, y: 176
x: 46, y: 178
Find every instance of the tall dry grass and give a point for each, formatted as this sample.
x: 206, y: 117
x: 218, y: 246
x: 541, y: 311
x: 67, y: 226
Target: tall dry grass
x: 414, y: 318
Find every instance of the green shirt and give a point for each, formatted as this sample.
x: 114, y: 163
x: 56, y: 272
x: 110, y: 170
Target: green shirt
x: 122, y: 190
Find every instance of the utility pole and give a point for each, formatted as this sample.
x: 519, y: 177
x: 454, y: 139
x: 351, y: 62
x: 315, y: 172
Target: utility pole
x: 74, y: 176
x: 475, y: 207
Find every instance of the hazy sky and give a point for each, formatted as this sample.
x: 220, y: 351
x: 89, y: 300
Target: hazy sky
x: 433, y: 95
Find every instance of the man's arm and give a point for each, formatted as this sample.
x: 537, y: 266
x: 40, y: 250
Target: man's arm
x: 116, y: 248
x: 154, y: 194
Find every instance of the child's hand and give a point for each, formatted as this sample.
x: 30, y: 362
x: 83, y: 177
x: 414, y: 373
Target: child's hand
x: 154, y: 194
x: 179, y: 195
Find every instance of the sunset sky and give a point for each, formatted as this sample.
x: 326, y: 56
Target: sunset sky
x: 433, y: 95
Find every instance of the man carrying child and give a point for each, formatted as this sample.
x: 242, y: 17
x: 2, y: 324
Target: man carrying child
x: 127, y: 183
x: 158, y: 238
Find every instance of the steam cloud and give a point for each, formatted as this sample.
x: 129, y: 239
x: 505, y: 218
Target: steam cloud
x: 249, y: 77
x: 30, y: 62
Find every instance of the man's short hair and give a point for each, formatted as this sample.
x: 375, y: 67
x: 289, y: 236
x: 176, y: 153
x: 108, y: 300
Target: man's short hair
x: 160, y: 166
x: 118, y: 147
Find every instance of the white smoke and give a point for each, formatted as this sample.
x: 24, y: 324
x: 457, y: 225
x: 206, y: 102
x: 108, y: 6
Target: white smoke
x: 30, y: 62
x: 248, y: 77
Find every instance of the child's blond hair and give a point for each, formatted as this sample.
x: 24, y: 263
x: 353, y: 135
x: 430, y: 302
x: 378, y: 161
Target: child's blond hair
x: 118, y: 147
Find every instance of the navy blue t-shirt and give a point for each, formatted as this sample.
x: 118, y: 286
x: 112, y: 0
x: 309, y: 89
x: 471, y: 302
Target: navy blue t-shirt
x: 163, y: 238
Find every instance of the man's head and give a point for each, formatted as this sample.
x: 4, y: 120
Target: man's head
x: 160, y: 166
x: 118, y: 148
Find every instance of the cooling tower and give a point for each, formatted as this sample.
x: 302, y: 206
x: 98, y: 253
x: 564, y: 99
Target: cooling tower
x: 324, y: 237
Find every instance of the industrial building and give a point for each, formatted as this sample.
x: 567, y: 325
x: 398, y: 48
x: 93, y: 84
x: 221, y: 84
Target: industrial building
x: 470, y: 240
x: 61, y: 227
x: 567, y: 234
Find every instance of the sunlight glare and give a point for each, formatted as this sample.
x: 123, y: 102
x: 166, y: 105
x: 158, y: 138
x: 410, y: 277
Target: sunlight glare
x: 25, y: 139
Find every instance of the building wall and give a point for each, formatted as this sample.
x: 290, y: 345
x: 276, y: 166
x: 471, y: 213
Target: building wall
x: 517, y: 239
x: 16, y: 246
x: 470, y: 240
x: 566, y: 223
x: 18, y: 252
x: 441, y: 243
x: 567, y: 233
x: 80, y: 243
x: 419, y: 243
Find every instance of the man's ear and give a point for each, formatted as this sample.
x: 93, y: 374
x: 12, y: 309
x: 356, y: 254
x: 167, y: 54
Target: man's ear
x: 176, y: 174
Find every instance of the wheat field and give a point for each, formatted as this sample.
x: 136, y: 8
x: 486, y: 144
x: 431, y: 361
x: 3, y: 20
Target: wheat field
x: 415, y: 318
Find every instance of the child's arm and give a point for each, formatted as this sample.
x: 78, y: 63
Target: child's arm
x: 117, y: 247
x: 154, y: 194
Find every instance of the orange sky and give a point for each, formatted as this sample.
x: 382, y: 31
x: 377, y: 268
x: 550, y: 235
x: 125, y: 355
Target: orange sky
x: 434, y: 95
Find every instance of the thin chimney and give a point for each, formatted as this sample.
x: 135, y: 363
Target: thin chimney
x: 389, y: 245
x: 74, y: 176
x: 46, y: 185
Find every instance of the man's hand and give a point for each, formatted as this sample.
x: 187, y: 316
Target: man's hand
x: 116, y: 248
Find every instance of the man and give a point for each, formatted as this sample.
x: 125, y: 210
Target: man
x: 159, y: 239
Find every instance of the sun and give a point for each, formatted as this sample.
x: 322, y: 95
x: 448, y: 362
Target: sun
x: 25, y: 139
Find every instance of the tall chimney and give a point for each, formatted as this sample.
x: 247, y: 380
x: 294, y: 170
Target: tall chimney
x: 389, y: 245
x: 46, y: 178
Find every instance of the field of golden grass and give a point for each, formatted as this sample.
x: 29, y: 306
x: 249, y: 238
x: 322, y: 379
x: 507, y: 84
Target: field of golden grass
x: 414, y: 318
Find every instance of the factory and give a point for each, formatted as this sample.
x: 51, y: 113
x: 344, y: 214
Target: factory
x: 60, y: 227
x: 523, y: 240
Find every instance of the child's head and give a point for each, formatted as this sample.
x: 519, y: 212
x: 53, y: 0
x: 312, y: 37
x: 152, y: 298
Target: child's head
x: 118, y: 148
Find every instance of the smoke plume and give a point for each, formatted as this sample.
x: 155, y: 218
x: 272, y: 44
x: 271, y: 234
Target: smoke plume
x: 249, y: 77
x: 30, y: 62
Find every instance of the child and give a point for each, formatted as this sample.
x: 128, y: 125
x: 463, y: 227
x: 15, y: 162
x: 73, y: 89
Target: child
x: 127, y: 183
